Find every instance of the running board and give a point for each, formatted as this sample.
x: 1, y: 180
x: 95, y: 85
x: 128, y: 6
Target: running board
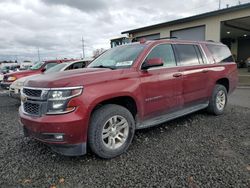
x: 170, y: 116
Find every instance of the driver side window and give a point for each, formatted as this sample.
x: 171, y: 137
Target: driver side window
x: 165, y: 52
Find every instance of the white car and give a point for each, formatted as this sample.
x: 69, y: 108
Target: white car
x: 1, y: 77
x: 16, y: 86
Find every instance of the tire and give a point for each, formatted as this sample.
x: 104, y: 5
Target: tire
x: 217, y: 106
x: 104, y: 137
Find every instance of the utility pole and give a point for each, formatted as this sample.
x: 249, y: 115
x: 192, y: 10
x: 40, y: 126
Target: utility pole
x: 219, y: 4
x: 83, y: 54
x: 16, y: 59
x: 38, y: 54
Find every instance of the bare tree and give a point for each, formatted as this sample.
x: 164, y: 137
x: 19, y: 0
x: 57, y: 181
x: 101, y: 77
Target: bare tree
x: 98, y: 52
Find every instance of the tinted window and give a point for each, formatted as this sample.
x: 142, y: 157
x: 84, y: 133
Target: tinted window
x: 200, y: 54
x: 187, y: 54
x: 49, y: 65
x: 220, y: 53
x: 77, y: 65
x: 56, y: 68
x: 165, y: 52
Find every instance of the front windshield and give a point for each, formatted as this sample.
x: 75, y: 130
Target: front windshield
x: 56, y: 68
x: 36, y: 66
x: 118, y: 57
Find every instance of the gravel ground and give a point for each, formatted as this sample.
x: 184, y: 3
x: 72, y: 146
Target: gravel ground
x: 198, y: 150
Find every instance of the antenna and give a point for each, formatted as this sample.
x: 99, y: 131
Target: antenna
x: 83, y: 54
x: 38, y: 54
x: 219, y: 4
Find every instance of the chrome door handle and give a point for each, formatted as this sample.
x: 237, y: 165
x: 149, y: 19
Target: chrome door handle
x: 178, y: 74
x: 204, y: 71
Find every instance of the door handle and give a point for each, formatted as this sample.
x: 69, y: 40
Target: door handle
x: 178, y: 74
x: 204, y: 71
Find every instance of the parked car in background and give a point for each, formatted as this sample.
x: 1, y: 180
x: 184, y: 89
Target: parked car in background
x: 248, y: 64
x: 38, y: 68
x: 129, y: 87
x: 25, y: 65
x: 14, y: 68
x: 5, y: 69
x: 1, y: 77
x: 17, y: 85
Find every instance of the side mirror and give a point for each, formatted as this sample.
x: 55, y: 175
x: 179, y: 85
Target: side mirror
x: 153, y: 62
x: 43, y: 70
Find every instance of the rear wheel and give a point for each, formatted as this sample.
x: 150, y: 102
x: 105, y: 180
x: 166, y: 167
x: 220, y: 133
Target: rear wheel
x: 218, y: 100
x: 111, y: 131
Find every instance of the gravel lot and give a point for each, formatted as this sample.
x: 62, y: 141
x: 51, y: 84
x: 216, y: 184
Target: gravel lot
x: 198, y: 150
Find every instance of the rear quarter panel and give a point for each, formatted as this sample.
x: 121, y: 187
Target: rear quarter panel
x: 221, y: 70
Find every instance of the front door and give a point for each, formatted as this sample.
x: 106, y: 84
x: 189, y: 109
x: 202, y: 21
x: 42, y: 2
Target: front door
x: 161, y: 86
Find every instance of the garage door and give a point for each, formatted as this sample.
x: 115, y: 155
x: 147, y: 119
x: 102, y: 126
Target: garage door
x: 243, y: 49
x: 194, y: 33
x: 149, y: 37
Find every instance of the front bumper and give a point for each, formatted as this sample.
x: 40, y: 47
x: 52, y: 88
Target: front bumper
x: 5, y: 85
x: 71, y: 129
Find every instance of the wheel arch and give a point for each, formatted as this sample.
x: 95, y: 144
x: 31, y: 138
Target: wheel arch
x: 125, y: 100
x: 225, y: 82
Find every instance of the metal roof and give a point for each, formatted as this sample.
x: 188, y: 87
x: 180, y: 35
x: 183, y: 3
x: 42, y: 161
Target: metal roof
x: 192, y: 18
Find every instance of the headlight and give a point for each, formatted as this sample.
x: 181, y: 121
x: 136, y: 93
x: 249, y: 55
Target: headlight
x: 11, y: 78
x: 58, y: 100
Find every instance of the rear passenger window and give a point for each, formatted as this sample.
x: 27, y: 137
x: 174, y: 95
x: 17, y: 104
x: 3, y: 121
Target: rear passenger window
x: 188, y: 54
x: 165, y: 52
x: 220, y: 53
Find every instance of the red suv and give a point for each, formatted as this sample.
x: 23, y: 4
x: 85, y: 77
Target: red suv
x: 38, y: 68
x: 129, y: 87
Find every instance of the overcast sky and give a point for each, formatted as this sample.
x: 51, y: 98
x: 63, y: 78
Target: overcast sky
x: 57, y: 26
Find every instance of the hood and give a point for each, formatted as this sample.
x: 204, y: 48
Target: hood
x: 73, y: 78
x: 23, y: 79
x: 20, y: 74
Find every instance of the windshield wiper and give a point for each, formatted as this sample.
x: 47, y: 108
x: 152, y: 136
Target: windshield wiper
x: 103, y: 66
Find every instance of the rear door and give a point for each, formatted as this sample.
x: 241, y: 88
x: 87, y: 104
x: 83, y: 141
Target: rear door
x: 192, y: 65
x: 161, y: 89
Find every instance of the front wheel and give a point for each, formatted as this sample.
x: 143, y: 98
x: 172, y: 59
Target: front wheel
x: 218, y: 100
x: 111, y: 131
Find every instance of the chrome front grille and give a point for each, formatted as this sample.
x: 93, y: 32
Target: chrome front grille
x: 32, y: 108
x: 32, y: 92
x: 34, y: 101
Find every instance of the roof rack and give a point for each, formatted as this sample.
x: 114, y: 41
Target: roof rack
x: 166, y: 38
x: 135, y: 39
x: 209, y: 40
